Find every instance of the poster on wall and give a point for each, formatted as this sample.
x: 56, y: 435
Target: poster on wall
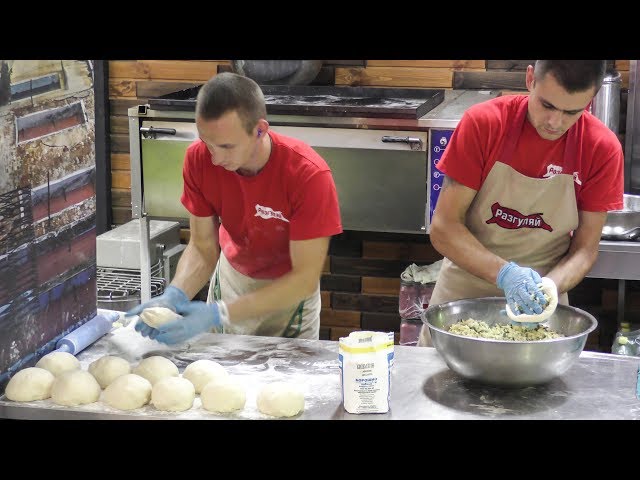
x: 47, y: 205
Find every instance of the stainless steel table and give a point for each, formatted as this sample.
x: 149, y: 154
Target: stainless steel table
x: 598, y: 386
x: 618, y: 260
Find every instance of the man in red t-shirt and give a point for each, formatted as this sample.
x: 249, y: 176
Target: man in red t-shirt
x: 263, y: 207
x: 529, y: 181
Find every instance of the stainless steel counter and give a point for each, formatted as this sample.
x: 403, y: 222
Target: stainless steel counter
x: 599, y: 386
x: 620, y: 260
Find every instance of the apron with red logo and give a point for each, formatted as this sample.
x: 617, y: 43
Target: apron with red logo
x: 521, y: 219
x: 299, y: 321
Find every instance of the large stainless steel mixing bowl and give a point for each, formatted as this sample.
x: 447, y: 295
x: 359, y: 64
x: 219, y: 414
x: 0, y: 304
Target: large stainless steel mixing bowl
x: 502, y: 362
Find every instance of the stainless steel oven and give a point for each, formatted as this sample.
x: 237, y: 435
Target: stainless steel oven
x: 380, y: 175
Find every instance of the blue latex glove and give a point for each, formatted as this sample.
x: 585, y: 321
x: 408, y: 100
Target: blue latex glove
x: 171, y: 298
x: 520, y: 285
x: 197, y: 317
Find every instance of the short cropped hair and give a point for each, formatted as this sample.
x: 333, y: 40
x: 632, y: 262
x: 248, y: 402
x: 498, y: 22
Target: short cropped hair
x: 573, y: 75
x: 227, y: 92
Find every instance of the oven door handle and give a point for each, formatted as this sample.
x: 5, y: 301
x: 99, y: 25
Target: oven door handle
x: 414, y: 142
x: 151, y: 132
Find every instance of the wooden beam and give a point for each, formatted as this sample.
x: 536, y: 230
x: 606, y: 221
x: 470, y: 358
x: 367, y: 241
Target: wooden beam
x: 339, y: 318
x: 120, y: 161
x: 121, y: 197
x: 622, y: 65
x: 377, y: 285
x: 364, y: 303
x: 395, y: 77
x: 120, y: 87
x: 150, y: 89
x: 491, y: 79
x: 509, y: 65
x: 340, y: 283
x: 120, y: 179
x: 368, y: 267
x: 467, y: 64
x: 625, y: 79
x: 325, y: 299
x: 121, y: 215
x: 120, y: 143
x: 119, y: 124
x: 381, y: 322
x: 183, y: 70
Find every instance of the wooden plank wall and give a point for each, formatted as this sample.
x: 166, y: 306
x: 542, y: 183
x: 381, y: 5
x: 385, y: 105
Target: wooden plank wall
x: 360, y: 283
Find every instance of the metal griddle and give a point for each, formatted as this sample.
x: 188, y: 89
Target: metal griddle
x: 326, y: 101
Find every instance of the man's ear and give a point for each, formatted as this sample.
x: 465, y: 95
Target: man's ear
x: 530, y: 78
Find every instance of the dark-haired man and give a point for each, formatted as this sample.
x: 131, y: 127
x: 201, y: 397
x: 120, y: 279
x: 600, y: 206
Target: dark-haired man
x: 529, y: 181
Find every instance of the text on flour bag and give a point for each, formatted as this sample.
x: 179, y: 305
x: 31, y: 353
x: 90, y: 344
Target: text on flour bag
x: 365, y: 361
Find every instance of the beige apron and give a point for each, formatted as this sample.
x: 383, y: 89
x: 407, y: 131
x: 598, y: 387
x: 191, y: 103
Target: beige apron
x: 521, y: 219
x: 301, y: 321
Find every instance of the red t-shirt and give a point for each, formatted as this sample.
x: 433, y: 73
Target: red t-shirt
x: 292, y: 198
x: 478, y: 139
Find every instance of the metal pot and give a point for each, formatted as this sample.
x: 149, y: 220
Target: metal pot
x: 624, y: 224
x: 278, y: 72
x: 606, y: 103
x: 502, y: 362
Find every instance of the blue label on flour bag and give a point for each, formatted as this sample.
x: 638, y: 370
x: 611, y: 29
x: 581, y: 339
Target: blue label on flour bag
x: 365, y: 361
x: 439, y: 141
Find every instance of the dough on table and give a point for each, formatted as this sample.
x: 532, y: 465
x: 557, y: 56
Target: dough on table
x: 156, y: 368
x: 156, y: 316
x: 202, y: 372
x: 550, y: 290
x: 280, y: 399
x: 223, y: 395
x: 106, y: 369
x: 128, y: 392
x: 76, y: 387
x: 174, y: 394
x: 30, y: 384
x: 58, y: 362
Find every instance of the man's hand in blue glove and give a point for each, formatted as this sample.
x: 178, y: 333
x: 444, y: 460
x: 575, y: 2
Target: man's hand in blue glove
x: 520, y: 285
x: 197, y: 317
x: 171, y: 298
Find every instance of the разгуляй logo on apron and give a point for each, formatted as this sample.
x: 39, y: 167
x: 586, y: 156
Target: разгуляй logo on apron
x: 513, y: 219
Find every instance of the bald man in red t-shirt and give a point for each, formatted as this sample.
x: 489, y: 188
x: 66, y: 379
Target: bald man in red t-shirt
x: 263, y: 207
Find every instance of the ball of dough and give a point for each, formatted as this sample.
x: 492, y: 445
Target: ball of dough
x: 173, y: 394
x: 76, y: 387
x: 202, y: 372
x: 223, y: 394
x: 156, y: 316
x: 29, y: 384
x: 280, y: 399
x: 128, y: 392
x: 156, y: 368
x: 550, y: 291
x: 58, y: 363
x: 106, y: 369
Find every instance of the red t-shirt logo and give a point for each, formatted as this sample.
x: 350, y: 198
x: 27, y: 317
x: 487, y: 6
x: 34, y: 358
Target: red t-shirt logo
x: 513, y: 219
